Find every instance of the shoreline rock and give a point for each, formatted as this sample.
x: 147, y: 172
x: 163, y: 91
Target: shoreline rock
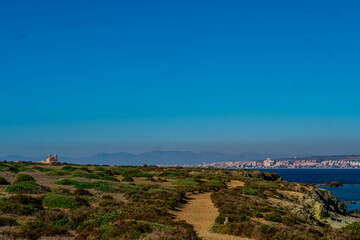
x: 332, y: 184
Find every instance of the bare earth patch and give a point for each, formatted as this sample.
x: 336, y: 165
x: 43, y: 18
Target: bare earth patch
x: 201, y: 213
x: 235, y: 183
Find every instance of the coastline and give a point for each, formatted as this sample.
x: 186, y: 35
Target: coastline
x: 350, y: 177
x: 346, y: 193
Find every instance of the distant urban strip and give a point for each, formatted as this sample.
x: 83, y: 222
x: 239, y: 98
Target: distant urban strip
x: 305, y: 162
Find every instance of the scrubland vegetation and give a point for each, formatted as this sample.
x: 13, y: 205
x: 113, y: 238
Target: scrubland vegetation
x: 128, y: 202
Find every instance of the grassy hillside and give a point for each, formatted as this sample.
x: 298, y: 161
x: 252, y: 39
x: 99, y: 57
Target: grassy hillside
x: 127, y: 202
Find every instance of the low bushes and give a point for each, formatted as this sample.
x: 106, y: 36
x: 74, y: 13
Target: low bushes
x: 54, y: 172
x: 103, y: 186
x: 353, y: 230
x: 3, y: 181
x: 84, y: 174
x: 20, y: 204
x: 82, y: 192
x: 273, y: 217
x: 186, y: 181
x: 108, y: 187
x: 29, y: 187
x: 24, y: 184
x: 76, y: 184
x: 36, y: 229
x: 128, y: 179
x: 155, y: 197
x: 7, y: 221
x: 55, y: 200
x: 174, y: 173
x: 42, y: 169
x: 68, y: 168
x: 24, y: 178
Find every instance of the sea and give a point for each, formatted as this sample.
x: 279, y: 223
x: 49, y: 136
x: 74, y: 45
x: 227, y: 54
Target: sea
x: 350, y: 191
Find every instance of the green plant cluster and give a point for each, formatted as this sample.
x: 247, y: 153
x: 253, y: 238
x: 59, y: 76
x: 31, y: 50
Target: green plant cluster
x: 26, y: 184
x: 58, y: 200
x: 21, y: 204
x: 15, y: 167
x: 4, y: 181
x: 7, y: 221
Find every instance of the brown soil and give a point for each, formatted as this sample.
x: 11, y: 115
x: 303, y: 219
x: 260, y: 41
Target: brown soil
x: 200, y: 212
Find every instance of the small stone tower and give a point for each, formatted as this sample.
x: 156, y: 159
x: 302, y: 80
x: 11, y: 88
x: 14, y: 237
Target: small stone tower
x: 51, y: 159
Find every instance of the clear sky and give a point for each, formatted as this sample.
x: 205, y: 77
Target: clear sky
x: 82, y: 77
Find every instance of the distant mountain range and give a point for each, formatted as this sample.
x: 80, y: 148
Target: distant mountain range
x: 155, y: 157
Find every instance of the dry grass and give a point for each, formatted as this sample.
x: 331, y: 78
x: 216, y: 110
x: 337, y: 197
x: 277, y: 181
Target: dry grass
x: 235, y: 183
x: 145, y: 180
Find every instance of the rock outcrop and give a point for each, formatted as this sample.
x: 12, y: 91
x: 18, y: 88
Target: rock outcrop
x: 318, y: 206
x: 268, y: 176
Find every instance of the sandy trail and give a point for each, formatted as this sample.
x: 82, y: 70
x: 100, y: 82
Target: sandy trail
x: 200, y: 212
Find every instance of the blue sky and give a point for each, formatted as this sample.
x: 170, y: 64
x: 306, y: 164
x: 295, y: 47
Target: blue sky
x: 81, y: 77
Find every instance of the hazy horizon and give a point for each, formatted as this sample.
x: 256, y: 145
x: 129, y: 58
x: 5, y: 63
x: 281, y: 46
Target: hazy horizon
x: 88, y: 153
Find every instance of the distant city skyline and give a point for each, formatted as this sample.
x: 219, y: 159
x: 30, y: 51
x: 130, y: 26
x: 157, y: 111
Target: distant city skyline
x: 79, y: 78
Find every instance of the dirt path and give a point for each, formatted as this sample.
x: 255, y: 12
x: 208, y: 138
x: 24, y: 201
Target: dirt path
x: 201, y: 213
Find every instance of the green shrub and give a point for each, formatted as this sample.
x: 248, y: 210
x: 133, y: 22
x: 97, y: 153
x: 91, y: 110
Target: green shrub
x: 55, y: 200
x: 143, y: 174
x: 41, y: 169
x: 220, y: 219
x: 61, y: 222
x: 85, y: 169
x: 172, y: 174
x: 66, y: 182
x: 353, y: 229
x: 105, y: 187
x: 24, y: 178
x: 36, y: 229
x: 3, y: 181
x: 128, y: 179
x: 76, y: 184
x: 100, y: 220
x: 273, y: 217
x: 7, y: 221
x: 55, y: 217
x: 108, y: 197
x: 29, y: 187
x: 84, y: 174
x: 252, y: 191
x: 214, y: 182
x: 185, y: 182
x: 109, y: 178
x: 13, y: 169
x: 57, y: 173
x: 25, y: 169
x: 68, y: 168
x: 20, y: 204
x: 82, y: 192
x: 98, y: 168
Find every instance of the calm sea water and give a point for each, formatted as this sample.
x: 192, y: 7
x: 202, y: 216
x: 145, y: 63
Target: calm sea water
x: 351, y: 177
